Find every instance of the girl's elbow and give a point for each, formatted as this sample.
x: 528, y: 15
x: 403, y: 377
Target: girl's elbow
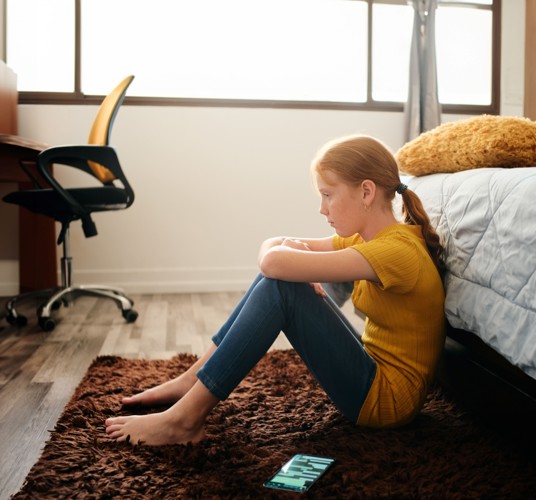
x: 268, y: 266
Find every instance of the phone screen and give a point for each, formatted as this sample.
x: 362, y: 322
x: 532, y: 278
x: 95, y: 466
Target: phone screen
x: 299, y: 473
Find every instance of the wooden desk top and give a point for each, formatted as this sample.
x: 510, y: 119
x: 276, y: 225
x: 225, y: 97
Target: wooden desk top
x: 23, y: 143
x: 13, y: 149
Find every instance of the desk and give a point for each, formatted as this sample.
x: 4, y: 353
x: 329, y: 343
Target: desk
x: 37, y: 234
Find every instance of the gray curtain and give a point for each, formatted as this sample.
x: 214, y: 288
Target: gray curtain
x: 422, y: 111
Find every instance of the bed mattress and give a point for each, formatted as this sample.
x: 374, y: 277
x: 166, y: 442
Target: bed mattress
x: 487, y: 221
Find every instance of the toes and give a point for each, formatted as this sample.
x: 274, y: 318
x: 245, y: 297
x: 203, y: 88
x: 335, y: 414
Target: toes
x: 120, y: 437
x: 130, y: 399
x: 113, y: 421
x: 115, y: 425
x: 118, y: 434
x: 114, y: 431
x: 110, y: 429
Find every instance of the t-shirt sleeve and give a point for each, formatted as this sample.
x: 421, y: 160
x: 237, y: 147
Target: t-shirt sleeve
x: 340, y: 243
x: 395, y: 260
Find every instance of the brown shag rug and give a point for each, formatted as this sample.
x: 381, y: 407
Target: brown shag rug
x: 276, y: 412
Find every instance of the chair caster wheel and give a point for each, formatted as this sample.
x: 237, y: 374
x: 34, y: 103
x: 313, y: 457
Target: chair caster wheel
x: 130, y: 315
x: 17, y: 320
x: 47, y: 324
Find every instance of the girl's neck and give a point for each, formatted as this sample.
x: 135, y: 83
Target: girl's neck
x: 378, y: 222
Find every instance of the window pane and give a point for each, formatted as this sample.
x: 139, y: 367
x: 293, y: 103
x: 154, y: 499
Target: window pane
x: 464, y: 42
x: 40, y: 44
x: 244, y: 49
x: 391, y: 39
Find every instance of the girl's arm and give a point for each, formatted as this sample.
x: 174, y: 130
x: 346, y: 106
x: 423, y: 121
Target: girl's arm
x: 312, y: 244
x: 312, y: 260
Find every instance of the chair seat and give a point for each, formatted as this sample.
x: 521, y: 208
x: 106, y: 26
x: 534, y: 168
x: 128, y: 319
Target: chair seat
x: 48, y: 202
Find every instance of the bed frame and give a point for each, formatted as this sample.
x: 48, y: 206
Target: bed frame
x: 485, y: 380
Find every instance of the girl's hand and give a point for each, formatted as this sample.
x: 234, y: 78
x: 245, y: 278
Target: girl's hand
x: 296, y: 244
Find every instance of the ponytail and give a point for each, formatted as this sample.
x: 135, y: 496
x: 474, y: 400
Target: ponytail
x: 414, y: 214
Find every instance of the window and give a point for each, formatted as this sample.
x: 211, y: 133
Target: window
x: 330, y: 53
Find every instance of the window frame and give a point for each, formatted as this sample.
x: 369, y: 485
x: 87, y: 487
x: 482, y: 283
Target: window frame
x: 78, y: 97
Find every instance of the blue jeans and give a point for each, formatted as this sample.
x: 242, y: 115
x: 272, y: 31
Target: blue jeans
x: 315, y: 327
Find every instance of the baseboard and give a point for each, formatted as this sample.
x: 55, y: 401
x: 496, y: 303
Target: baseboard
x: 182, y: 280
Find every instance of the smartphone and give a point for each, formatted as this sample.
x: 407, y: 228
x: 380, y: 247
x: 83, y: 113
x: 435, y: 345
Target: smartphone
x: 299, y: 473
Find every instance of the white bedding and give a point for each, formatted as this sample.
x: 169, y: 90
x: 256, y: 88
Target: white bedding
x: 487, y: 221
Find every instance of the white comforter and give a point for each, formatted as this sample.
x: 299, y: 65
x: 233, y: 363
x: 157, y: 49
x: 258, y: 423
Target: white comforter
x: 487, y: 220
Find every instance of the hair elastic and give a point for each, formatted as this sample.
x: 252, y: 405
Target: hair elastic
x: 401, y: 188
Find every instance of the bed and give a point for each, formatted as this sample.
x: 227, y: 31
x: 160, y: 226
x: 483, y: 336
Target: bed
x: 487, y: 221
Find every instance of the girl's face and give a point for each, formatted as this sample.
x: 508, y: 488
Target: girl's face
x: 341, y: 204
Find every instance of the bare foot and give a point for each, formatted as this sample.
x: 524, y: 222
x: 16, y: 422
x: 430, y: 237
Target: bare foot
x: 182, y: 423
x: 156, y: 429
x: 164, y: 394
x: 171, y: 391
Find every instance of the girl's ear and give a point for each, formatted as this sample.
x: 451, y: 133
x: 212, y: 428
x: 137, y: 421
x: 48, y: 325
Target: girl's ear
x: 368, y: 189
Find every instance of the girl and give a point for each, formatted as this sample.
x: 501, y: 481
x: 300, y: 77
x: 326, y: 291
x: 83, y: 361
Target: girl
x: 380, y: 379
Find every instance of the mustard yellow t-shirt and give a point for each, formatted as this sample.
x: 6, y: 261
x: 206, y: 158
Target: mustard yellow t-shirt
x: 404, y: 329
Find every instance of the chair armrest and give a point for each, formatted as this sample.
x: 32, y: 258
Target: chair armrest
x: 77, y: 157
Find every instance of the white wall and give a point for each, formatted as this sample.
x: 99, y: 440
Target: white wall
x: 212, y: 183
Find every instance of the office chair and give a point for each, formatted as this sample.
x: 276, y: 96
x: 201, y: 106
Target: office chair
x: 66, y: 205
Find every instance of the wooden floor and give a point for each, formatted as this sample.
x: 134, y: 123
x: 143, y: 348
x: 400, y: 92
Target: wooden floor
x: 39, y: 371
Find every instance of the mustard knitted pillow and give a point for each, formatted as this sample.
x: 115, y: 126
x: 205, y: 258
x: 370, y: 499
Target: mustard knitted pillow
x: 478, y: 142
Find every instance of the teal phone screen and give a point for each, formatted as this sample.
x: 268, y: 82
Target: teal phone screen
x: 299, y: 473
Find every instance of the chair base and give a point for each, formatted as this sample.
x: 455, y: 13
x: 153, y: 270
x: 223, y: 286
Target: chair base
x: 55, y: 297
